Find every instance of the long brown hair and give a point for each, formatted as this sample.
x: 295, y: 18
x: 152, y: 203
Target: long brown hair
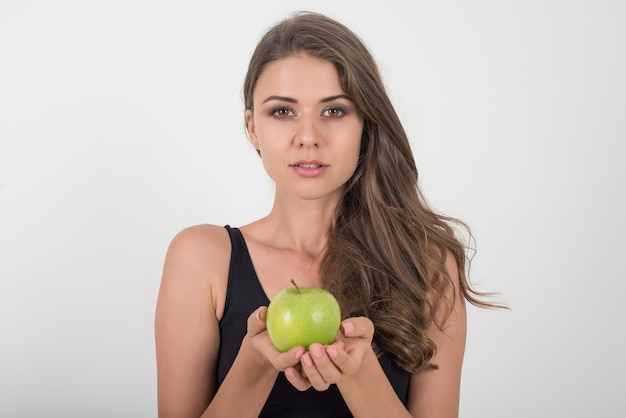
x: 385, y: 256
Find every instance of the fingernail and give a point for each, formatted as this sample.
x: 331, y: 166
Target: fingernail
x: 347, y: 328
x: 316, y: 350
x: 332, y: 351
x: 298, y: 352
x: 290, y: 373
x: 306, y: 359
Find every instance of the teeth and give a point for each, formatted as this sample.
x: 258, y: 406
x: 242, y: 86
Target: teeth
x: 309, y: 165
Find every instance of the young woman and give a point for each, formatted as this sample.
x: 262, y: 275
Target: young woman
x: 347, y: 216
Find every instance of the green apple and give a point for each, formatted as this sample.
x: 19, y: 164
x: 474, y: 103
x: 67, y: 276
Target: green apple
x: 301, y: 316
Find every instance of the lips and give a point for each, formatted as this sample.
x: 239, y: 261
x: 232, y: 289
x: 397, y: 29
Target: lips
x: 308, y: 164
x: 309, y: 168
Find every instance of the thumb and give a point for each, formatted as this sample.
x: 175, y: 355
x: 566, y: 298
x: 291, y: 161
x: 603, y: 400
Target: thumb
x: 256, y: 321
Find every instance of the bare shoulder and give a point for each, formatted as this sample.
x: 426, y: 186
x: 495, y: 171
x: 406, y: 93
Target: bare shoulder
x: 436, y: 392
x: 199, y: 242
x: 451, y: 267
x: 191, y: 299
x: 198, y: 259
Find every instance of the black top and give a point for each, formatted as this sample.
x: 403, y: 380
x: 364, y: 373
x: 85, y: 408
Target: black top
x: 244, y: 296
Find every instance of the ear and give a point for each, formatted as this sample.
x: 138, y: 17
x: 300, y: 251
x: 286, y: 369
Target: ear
x: 250, y: 127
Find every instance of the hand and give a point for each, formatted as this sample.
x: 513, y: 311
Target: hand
x: 322, y: 366
x: 257, y: 335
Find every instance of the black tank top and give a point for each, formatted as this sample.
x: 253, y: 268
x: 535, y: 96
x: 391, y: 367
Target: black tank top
x: 244, y: 295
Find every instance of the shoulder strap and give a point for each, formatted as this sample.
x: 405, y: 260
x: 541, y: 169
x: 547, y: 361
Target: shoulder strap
x: 242, y: 277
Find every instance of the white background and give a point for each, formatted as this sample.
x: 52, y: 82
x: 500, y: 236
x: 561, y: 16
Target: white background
x: 121, y: 123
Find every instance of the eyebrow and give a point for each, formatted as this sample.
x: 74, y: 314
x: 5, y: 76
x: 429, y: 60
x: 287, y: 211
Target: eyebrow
x: 292, y: 100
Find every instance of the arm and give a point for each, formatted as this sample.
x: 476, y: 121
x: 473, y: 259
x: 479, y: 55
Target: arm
x: 353, y: 366
x: 435, y: 393
x: 251, y: 377
x: 191, y: 298
x: 363, y: 383
x: 351, y: 363
x: 186, y: 327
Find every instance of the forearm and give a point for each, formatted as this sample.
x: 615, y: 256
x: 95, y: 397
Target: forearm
x: 245, y: 389
x: 368, y: 392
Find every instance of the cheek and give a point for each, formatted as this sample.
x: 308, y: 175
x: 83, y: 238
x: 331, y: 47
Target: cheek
x: 271, y: 135
x: 356, y: 136
x: 355, y: 161
x: 351, y: 151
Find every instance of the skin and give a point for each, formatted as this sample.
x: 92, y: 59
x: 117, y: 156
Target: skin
x: 300, y: 114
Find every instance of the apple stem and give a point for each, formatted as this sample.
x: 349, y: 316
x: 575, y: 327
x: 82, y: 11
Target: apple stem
x: 295, y: 285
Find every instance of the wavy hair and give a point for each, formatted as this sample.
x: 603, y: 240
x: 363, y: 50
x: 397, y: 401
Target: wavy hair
x: 386, y: 249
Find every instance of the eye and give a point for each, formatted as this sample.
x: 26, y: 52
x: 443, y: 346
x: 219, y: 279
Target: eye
x: 282, y: 112
x: 334, y: 112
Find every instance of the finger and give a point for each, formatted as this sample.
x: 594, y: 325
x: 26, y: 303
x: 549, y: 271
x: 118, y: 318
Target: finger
x: 260, y: 340
x: 358, y: 327
x: 339, y: 343
x: 280, y: 361
x: 326, y: 369
x: 311, y: 372
x: 298, y: 381
x: 289, y: 358
x: 346, y: 363
x: 256, y: 321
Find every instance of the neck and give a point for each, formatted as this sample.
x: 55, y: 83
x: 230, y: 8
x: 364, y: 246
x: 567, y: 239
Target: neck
x: 301, y: 225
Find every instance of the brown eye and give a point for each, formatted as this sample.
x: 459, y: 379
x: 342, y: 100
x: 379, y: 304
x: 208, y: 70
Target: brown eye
x: 282, y: 112
x: 334, y: 112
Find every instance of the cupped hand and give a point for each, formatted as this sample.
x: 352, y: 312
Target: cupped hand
x: 260, y: 340
x: 322, y: 366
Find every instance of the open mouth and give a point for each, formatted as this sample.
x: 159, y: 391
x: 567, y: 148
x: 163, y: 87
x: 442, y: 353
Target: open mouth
x: 308, y: 165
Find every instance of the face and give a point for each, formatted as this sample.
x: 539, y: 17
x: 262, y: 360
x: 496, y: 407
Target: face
x: 307, y: 129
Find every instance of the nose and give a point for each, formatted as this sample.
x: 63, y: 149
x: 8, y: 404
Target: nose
x: 308, y: 134
x: 307, y: 141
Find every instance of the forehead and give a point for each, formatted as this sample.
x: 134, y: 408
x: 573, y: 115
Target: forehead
x: 298, y: 75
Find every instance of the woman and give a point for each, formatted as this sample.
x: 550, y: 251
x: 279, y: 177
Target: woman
x: 347, y: 216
